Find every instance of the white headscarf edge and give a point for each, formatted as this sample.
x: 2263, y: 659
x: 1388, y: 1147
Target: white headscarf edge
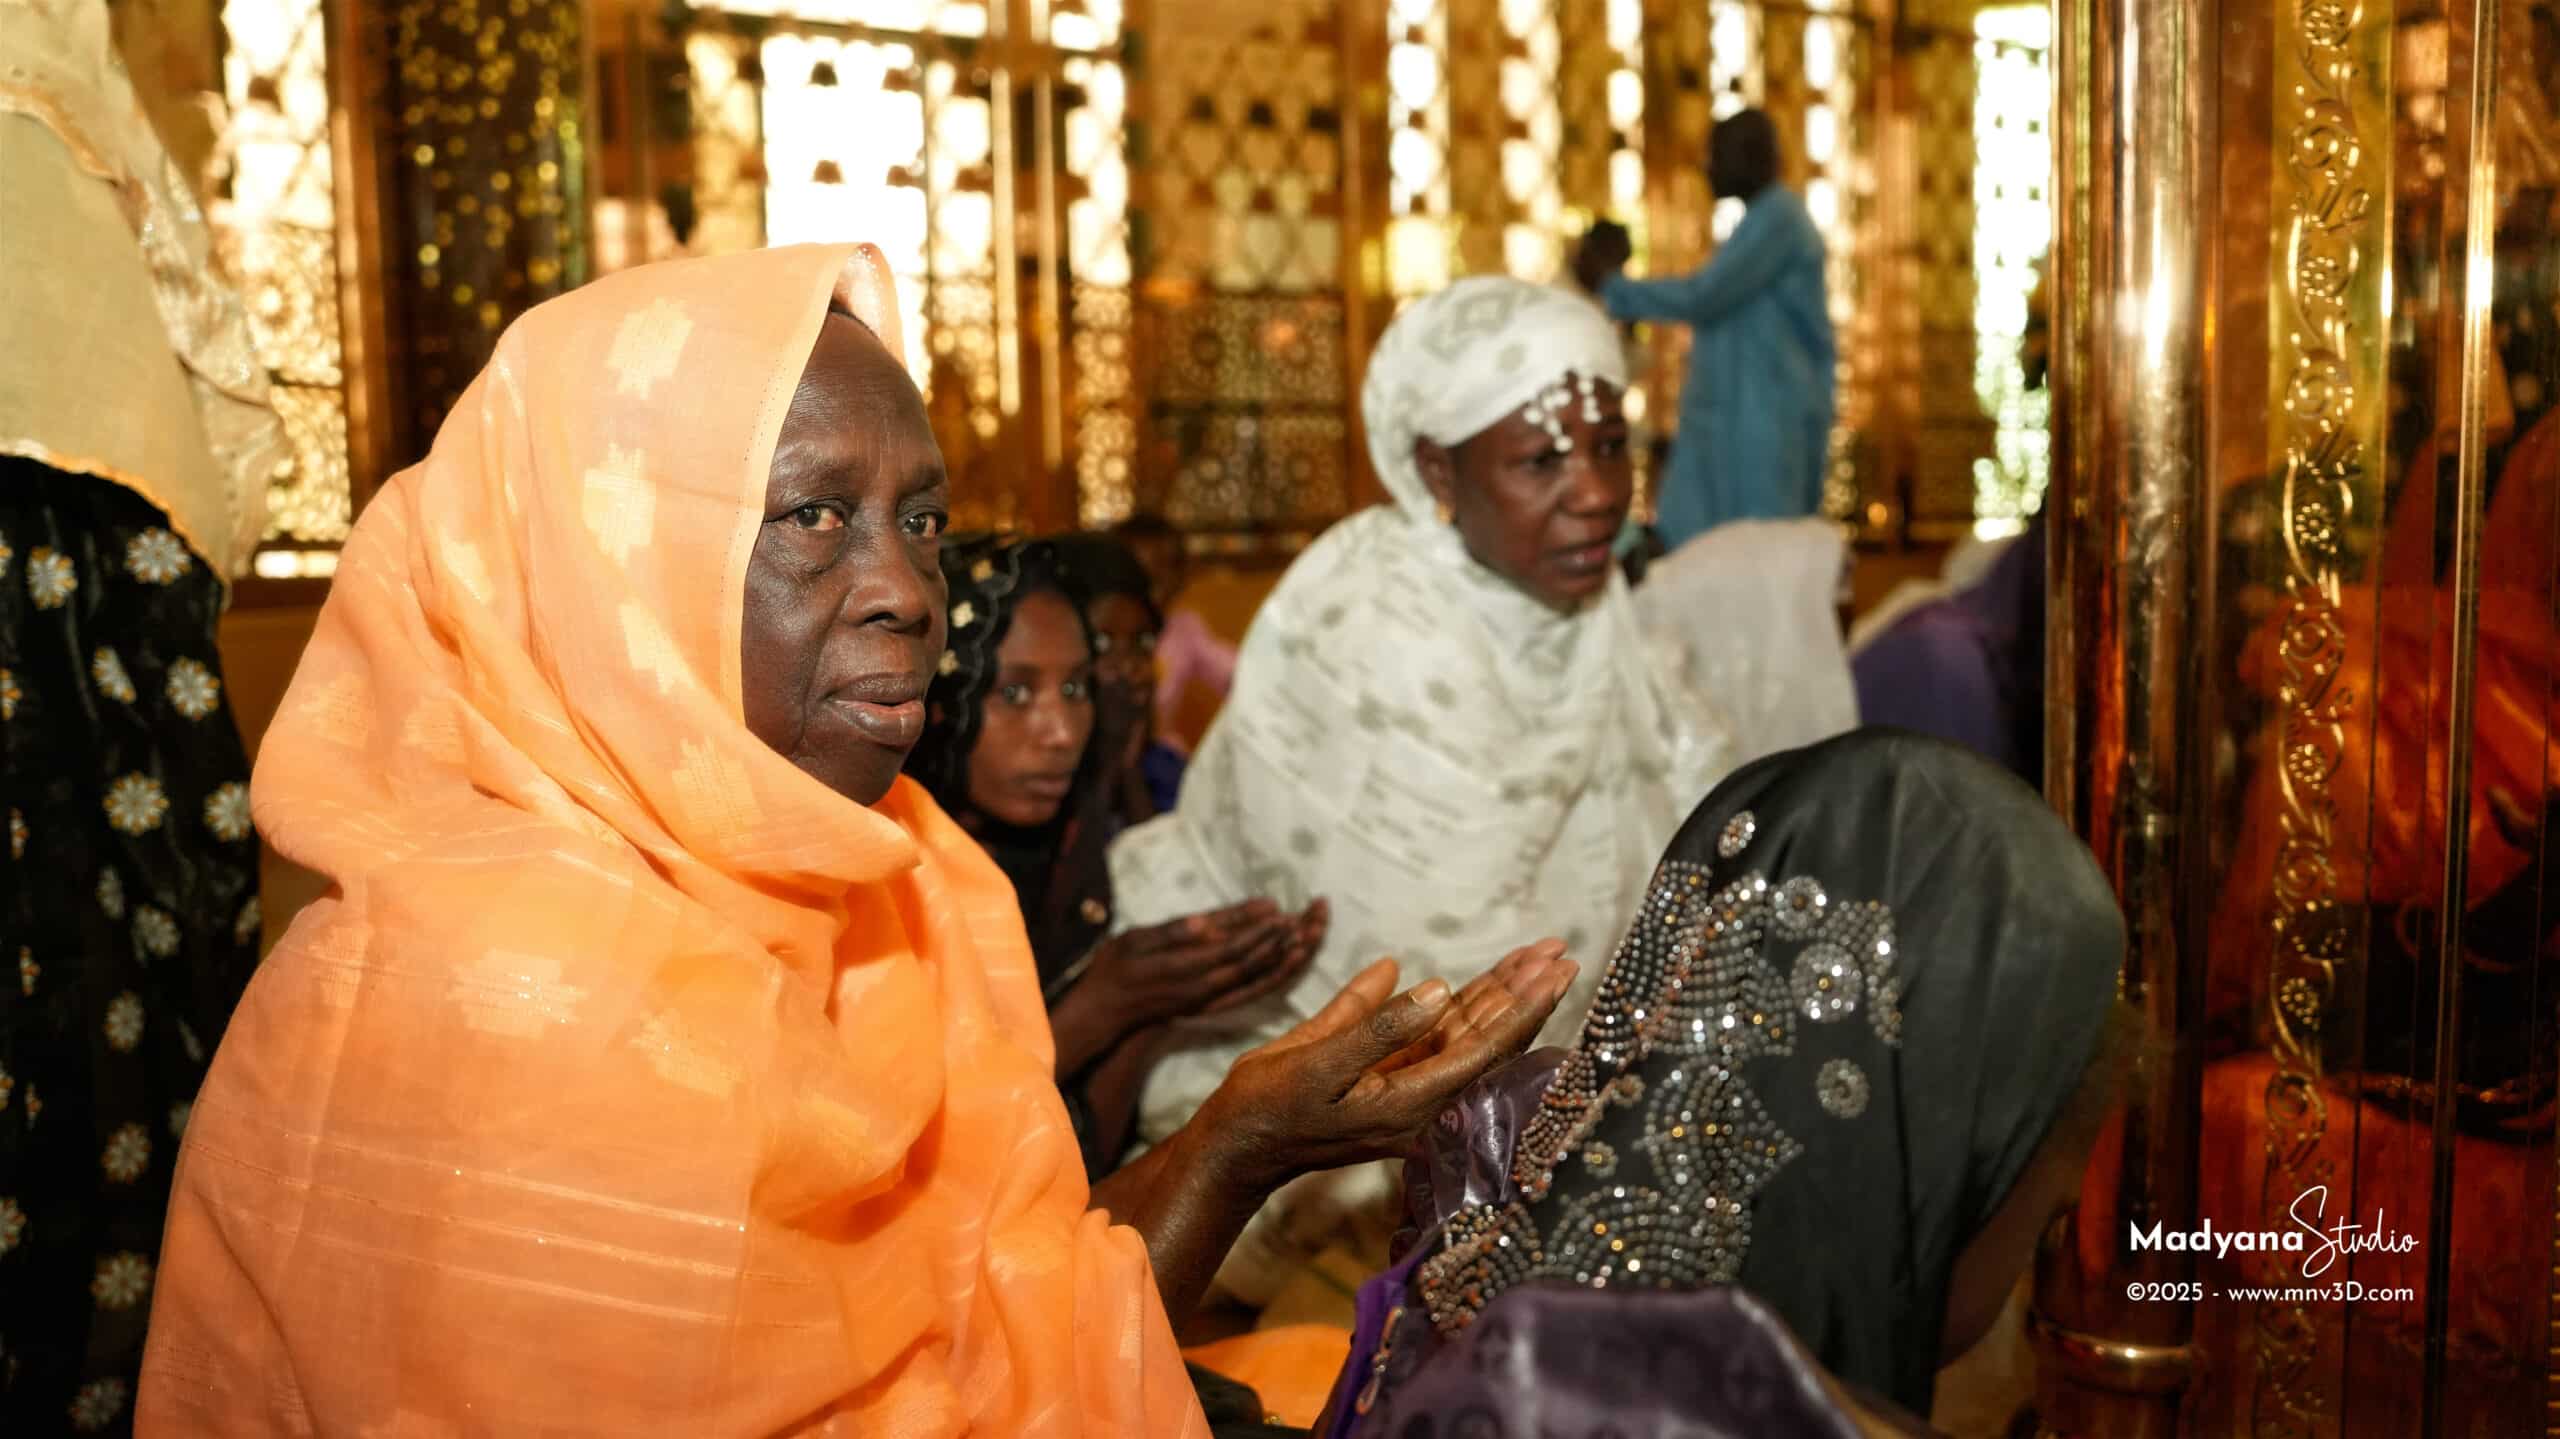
x: 1455, y: 362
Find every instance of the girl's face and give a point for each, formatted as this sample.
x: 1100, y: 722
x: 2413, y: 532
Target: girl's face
x: 1038, y: 716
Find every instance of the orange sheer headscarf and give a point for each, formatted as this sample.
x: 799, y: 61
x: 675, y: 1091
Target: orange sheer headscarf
x: 628, y: 1080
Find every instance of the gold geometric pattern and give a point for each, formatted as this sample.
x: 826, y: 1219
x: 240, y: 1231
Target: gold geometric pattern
x: 433, y: 734
x: 274, y: 215
x: 1245, y: 300
x: 680, y: 1061
x: 989, y: 162
x: 1939, y: 402
x: 339, y: 713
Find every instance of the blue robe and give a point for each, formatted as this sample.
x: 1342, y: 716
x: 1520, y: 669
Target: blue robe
x: 1755, y: 414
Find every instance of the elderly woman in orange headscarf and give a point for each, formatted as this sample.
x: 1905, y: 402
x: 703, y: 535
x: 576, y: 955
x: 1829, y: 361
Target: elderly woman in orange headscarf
x: 661, y: 1061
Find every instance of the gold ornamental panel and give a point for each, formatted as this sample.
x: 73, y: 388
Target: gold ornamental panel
x: 2328, y: 452
x: 1244, y: 286
x: 986, y: 149
x: 274, y: 207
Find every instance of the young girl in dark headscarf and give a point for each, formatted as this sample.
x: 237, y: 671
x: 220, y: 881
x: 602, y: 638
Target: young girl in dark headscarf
x: 1849, y: 1060
x: 1141, y: 774
x: 1008, y: 750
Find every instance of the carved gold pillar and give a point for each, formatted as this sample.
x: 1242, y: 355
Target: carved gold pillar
x: 1679, y: 113
x: 1367, y: 192
x: 481, y: 118
x: 2132, y: 532
x: 1478, y: 43
x: 1934, y: 402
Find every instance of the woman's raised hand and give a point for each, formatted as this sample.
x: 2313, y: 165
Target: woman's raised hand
x: 1360, y: 1079
x: 1202, y: 962
x: 1355, y: 1082
x: 1302, y: 935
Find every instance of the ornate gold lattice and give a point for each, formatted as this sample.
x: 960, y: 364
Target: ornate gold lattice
x: 275, y: 216
x: 1937, y: 403
x: 983, y: 148
x: 2013, y: 231
x: 1243, y: 259
x: 1551, y: 134
x: 1420, y: 233
x: 1093, y: 193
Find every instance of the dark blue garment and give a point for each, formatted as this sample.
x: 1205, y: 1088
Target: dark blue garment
x: 1161, y: 766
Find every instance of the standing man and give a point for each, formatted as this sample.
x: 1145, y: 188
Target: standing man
x: 1755, y: 414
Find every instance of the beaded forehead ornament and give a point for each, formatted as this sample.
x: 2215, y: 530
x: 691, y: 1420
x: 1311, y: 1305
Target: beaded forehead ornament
x: 1696, y: 992
x: 1549, y: 407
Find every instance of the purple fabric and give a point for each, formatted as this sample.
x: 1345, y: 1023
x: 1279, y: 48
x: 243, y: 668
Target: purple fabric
x: 1931, y: 674
x: 1565, y: 1362
x: 1467, y: 1159
x: 1969, y: 668
x: 1382, y: 1302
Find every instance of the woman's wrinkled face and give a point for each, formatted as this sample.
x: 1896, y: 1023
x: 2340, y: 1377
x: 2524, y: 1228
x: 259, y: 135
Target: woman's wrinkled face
x: 1541, y: 509
x: 844, y: 611
x: 1124, y: 646
x: 1033, y: 728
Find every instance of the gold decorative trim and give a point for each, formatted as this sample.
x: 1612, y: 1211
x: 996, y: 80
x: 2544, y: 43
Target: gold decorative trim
x: 2331, y: 262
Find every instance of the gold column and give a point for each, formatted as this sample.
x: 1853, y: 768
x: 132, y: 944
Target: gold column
x: 1934, y: 402
x: 2131, y: 529
x: 481, y: 117
x: 1367, y: 302
x: 1478, y: 203
x: 1679, y: 114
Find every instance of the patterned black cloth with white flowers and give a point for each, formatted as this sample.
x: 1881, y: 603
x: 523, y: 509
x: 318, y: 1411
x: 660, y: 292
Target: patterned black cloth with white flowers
x: 130, y: 911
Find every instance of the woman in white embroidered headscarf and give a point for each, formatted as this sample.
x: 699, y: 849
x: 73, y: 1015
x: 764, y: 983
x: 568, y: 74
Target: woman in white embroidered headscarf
x: 1749, y: 612
x: 1445, y: 721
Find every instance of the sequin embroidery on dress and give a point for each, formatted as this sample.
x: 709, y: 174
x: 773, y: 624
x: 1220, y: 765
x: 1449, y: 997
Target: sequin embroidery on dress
x: 1709, y: 986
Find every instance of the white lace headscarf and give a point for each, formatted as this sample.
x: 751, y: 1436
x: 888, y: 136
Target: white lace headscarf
x: 1456, y: 767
